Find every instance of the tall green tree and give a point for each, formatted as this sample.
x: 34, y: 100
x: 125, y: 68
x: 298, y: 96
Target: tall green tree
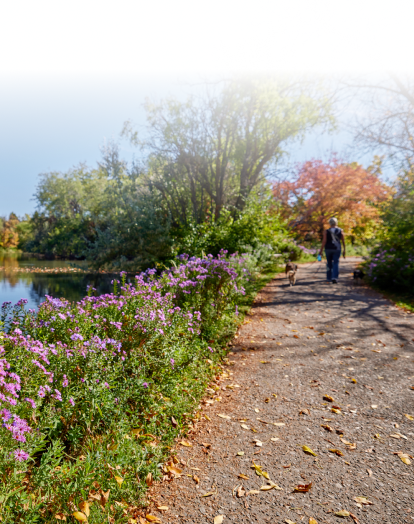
x: 211, y: 152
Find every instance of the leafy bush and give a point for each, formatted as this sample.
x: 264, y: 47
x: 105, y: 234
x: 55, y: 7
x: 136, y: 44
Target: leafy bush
x: 88, y: 390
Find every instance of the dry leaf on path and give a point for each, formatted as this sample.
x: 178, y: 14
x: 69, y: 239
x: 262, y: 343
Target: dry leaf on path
x: 224, y: 416
x: 208, y: 494
x: 288, y: 521
x: 405, y: 458
x: 162, y: 508
x: 312, y: 520
x: 242, y: 476
x: 328, y: 428
x: 355, y: 518
x: 152, y: 518
x: 328, y: 398
x: 196, y: 479
x: 410, y: 417
x: 363, y: 500
x: 342, y: 513
x: 240, y: 492
x: 337, y: 452
x: 336, y: 410
x: 84, y: 506
x: 240, y: 453
x: 186, y: 444
x: 149, y: 479
x: 219, y: 519
x: 244, y: 426
x: 308, y: 450
x: 303, y: 488
x: 253, y: 492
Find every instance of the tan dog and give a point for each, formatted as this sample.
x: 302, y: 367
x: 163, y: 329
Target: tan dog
x: 290, y: 271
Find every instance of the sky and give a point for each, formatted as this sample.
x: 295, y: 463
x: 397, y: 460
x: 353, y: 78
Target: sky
x: 71, y: 73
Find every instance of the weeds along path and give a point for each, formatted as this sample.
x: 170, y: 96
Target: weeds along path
x: 325, y: 366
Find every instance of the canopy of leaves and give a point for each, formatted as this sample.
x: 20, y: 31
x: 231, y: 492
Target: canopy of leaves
x: 319, y: 191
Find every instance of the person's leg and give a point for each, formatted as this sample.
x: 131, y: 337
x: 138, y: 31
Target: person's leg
x: 335, y: 265
x: 329, y: 262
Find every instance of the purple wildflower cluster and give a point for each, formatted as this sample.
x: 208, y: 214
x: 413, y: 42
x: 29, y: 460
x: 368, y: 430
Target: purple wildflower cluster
x: 68, y: 353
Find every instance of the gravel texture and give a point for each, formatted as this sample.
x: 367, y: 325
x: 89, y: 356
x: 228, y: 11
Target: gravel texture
x: 298, y: 345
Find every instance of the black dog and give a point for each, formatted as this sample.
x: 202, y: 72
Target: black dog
x: 358, y: 275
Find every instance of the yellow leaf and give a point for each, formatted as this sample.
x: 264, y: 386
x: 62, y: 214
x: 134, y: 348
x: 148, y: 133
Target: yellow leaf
x: 135, y: 431
x: 196, y: 479
x: 223, y: 416
x: 244, y: 426
x: 342, y: 513
x: 265, y: 488
x: 162, y: 508
x: 265, y: 475
x: 253, y: 492
x: 119, y: 480
x: 354, y: 380
x: 186, y: 444
x: 328, y: 398
x: 288, y: 521
x: 312, y: 520
x: 151, y: 518
x: 334, y: 410
x: 405, y: 458
x: 84, y: 506
x: 207, y: 418
x: 240, y: 453
x: 242, y: 476
x: 410, y: 417
x: 337, y: 452
x: 309, y: 451
x: 208, y: 494
x: 219, y: 519
x: 175, y: 471
x: 80, y: 516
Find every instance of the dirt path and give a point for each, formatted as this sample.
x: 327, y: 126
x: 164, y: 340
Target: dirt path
x: 313, y: 340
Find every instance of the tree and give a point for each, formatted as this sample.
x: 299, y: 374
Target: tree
x: 319, y: 191
x: 387, y: 121
x: 209, y: 153
x: 9, y: 236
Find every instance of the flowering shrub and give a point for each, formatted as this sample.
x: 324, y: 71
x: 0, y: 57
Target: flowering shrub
x: 91, y: 386
x: 392, y: 269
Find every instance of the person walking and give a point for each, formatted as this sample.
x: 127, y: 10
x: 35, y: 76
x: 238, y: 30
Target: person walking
x: 331, y: 242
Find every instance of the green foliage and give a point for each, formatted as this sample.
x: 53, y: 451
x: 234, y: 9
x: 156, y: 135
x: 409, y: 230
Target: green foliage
x: 391, y: 266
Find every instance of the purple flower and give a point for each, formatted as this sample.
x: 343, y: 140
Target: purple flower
x: 20, y: 455
x: 31, y: 402
x: 106, y: 385
x: 211, y: 349
x: 71, y: 401
x: 65, y: 382
x: 145, y: 384
x: 76, y: 336
x: 172, y: 362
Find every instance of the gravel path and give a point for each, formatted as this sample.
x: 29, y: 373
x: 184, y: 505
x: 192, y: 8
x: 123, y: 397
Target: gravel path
x: 342, y: 342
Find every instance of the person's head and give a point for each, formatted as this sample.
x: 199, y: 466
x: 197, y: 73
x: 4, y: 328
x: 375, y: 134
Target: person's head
x: 333, y: 222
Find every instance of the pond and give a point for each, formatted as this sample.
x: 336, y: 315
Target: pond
x: 30, y: 278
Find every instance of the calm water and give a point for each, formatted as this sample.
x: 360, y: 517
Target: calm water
x: 19, y: 278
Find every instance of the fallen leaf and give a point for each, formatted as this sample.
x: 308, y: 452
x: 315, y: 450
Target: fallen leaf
x: 336, y: 410
x: 253, y: 492
x: 240, y: 492
x: 174, y: 422
x: 405, y: 458
x: 342, y: 513
x: 223, y: 416
x: 288, y: 521
x: 60, y: 516
x: 80, y: 516
x: 410, y: 417
x: 303, y: 488
x: 328, y: 428
x: 84, y: 506
x: 354, y: 380
x: 355, y: 518
x: 369, y: 471
x: 308, y: 450
x: 149, y: 479
x: 337, y: 452
x: 274, y: 439
x: 363, y: 500
x: 152, y: 518
x: 244, y: 426
x: 265, y: 475
x: 119, y: 480
x: 242, y: 476
x: 267, y: 400
x: 240, y: 453
x: 312, y: 520
x: 208, y: 494
x: 175, y: 471
x: 196, y: 479
x: 219, y: 519
x: 374, y: 406
x: 186, y: 444
x: 328, y: 398
x: 162, y: 508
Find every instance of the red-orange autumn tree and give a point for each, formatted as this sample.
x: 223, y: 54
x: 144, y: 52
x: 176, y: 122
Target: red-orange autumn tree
x: 319, y: 191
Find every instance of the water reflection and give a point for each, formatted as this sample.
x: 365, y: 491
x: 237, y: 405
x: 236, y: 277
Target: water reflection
x: 20, y: 277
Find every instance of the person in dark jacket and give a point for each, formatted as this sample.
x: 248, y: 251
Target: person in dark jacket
x: 331, y: 242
